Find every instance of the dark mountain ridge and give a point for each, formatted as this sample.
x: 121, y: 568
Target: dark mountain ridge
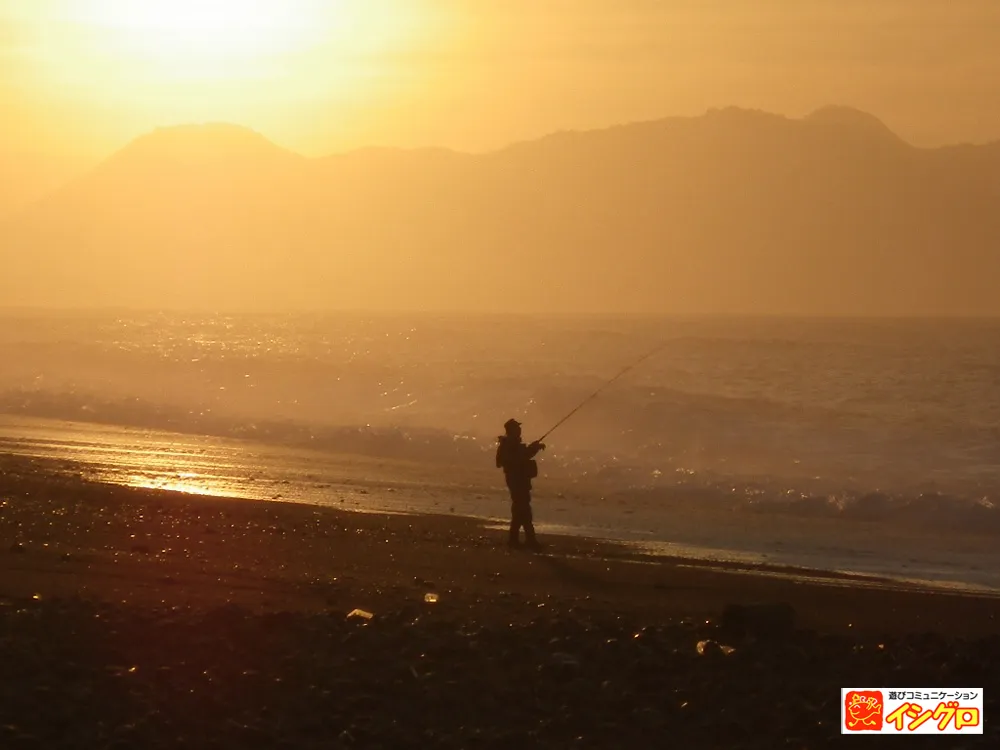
x: 736, y: 211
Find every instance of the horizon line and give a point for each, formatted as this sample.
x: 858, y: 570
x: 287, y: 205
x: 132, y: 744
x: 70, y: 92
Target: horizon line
x: 13, y: 310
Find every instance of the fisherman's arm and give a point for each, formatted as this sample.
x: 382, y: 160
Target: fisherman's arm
x: 534, y: 448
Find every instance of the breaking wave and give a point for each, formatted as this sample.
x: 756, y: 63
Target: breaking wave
x: 867, y: 421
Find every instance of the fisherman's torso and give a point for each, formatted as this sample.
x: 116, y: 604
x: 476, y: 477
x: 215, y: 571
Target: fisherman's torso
x: 515, y: 459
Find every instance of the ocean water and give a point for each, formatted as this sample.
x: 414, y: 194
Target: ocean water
x: 888, y: 422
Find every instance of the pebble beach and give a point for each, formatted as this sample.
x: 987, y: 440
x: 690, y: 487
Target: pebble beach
x: 145, y: 619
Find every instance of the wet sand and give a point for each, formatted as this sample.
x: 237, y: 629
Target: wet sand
x: 137, y: 618
x: 958, y: 552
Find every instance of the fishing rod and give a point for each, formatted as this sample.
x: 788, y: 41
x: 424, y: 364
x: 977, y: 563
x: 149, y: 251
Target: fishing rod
x: 594, y: 395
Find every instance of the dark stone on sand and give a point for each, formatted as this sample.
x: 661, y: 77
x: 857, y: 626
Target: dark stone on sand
x: 561, y: 665
x: 759, y: 620
x: 713, y: 649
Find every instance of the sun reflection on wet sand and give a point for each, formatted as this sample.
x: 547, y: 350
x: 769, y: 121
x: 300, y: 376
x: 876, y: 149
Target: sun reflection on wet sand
x: 200, y: 466
x: 172, y: 485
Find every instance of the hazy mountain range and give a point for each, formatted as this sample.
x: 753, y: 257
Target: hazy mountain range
x: 733, y: 211
x: 26, y: 177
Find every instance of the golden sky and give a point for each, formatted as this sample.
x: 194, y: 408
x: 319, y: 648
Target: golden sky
x: 83, y: 77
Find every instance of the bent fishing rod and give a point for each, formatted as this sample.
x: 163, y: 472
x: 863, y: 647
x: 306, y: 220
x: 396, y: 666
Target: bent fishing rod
x: 594, y: 395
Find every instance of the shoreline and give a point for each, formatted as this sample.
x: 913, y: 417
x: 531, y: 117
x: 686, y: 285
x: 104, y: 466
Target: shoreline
x: 125, y: 509
x: 684, y: 526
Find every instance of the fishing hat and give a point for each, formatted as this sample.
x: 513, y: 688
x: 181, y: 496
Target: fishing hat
x: 510, y: 424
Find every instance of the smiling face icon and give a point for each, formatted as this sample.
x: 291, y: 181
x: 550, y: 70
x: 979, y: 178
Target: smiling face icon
x: 863, y: 710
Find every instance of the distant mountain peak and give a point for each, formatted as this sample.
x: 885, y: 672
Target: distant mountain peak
x: 202, y: 141
x: 215, y: 132
x: 846, y: 118
x: 740, y: 113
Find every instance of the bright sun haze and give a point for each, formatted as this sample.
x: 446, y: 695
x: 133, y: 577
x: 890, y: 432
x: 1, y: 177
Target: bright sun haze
x: 320, y: 76
x: 124, y: 66
x: 198, y: 39
x: 203, y: 40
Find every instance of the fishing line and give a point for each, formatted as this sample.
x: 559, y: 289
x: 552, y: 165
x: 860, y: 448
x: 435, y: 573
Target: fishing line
x: 594, y: 395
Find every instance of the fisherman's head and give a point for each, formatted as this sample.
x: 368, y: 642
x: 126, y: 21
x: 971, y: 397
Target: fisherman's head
x: 513, y: 428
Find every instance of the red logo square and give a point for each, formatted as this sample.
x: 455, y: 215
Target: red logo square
x: 863, y: 710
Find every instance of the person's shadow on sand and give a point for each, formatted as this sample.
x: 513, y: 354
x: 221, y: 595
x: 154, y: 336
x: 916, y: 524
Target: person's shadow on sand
x: 568, y: 574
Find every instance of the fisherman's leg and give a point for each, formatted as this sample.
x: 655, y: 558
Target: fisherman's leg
x: 515, y: 525
x: 515, y: 519
x: 529, y: 526
x: 520, y: 511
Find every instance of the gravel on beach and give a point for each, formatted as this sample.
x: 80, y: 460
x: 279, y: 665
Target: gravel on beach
x: 138, y: 619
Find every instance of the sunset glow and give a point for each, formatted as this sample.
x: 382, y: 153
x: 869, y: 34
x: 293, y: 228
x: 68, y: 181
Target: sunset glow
x: 200, y: 40
x: 321, y: 76
x: 162, y: 62
x: 196, y: 39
